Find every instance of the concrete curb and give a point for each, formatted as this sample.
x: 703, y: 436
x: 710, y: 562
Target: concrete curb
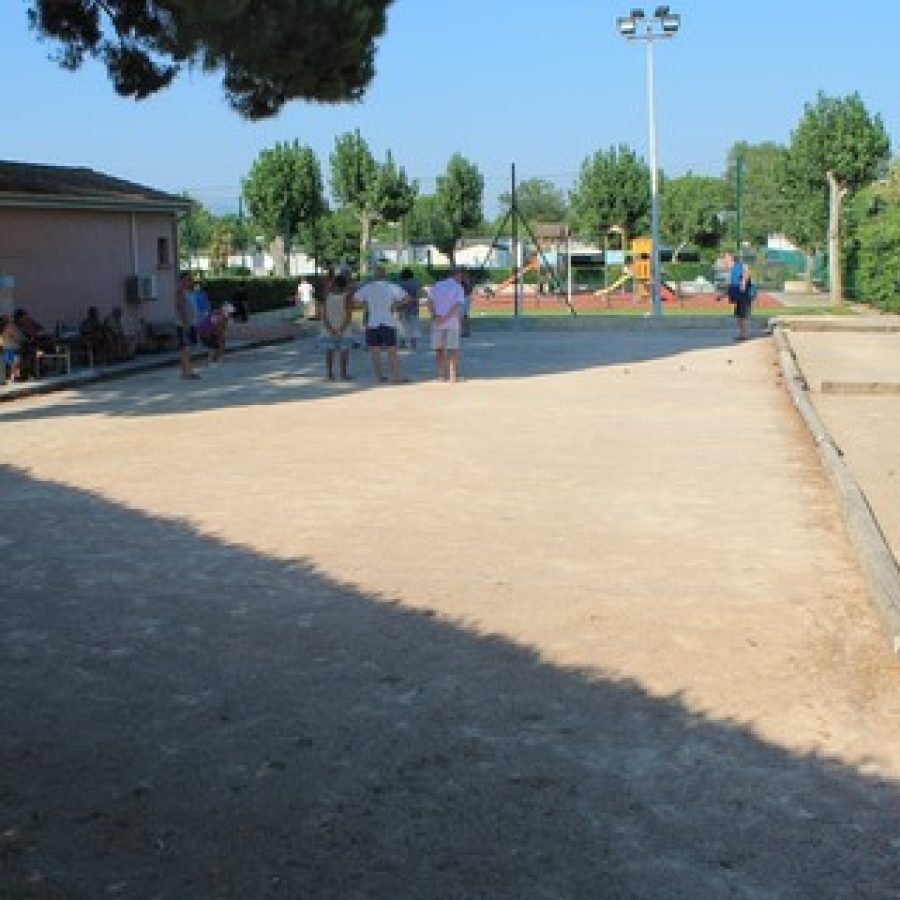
x: 879, y: 565
x: 868, y: 324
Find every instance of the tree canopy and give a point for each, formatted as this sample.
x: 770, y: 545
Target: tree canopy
x: 613, y: 189
x: 195, y: 229
x: 268, y: 53
x: 376, y: 192
x: 762, y: 201
x: 837, y: 148
x: 691, y: 208
x: 284, y: 191
x: 538, y: 200
x: 460, y: 199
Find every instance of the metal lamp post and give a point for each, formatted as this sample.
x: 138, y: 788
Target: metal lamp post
x: 648, y: 29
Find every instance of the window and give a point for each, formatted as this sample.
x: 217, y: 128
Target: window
x: 163, y: 260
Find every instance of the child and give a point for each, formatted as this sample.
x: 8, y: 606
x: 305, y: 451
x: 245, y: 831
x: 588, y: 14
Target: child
x: 337, y: 317
x: 211, y: 331
x: 11, y: 340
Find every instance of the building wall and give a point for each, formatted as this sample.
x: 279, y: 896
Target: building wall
x: 66, y: 260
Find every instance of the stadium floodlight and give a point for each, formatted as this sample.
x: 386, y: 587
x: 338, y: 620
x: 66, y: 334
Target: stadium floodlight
x: 637, y: 27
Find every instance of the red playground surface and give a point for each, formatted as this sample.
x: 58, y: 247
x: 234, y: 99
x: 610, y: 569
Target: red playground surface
x: 621, y: 302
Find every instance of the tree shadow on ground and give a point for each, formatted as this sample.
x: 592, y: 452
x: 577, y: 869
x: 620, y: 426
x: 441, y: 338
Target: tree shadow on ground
x: 294, y: 372
x: 184, y: 718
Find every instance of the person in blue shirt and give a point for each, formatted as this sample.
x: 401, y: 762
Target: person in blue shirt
x: 409, y: 314
x: 739, y: 294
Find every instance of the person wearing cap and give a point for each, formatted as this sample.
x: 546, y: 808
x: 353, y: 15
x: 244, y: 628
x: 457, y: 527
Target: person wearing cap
x: 446, y: 301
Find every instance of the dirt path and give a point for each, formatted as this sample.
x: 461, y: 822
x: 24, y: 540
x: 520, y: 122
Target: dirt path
x: 586, y: 625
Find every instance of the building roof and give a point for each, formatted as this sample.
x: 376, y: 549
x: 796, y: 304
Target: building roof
x: 64, y: 187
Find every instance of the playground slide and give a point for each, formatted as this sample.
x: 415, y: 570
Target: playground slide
x: 531, y: 266
x: 603, y: 292
x: 667, y: 293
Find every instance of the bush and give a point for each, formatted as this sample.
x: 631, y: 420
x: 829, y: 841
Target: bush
x: 878, y: 259
x: 263, y: 293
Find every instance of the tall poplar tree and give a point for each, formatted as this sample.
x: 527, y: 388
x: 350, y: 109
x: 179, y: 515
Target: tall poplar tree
x: 836, y: 149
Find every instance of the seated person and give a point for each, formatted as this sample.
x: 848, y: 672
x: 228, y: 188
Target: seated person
x: 94, y: 335
x: 120, y: 345
x: 11, y: 339
x: 33, y: 338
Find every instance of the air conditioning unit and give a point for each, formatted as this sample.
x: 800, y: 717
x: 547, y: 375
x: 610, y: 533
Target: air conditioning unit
x: 139, y: 288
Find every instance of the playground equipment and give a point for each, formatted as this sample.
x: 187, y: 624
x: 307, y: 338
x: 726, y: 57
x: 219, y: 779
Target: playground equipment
x: 533, y: 265
x: 538, y: 262
x: 638, y: 270
x: 667, y: 292
x: 615, y: 286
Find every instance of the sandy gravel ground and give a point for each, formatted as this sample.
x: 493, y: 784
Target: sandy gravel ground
x: 586, y: 625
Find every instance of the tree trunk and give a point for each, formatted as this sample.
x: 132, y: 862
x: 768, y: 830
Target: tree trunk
x: 365, y: 237
x: 279, y: 257
x: 810, y: 264
x: 836, y: 195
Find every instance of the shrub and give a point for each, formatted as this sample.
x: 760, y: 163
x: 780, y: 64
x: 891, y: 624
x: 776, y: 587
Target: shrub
x: 263, y: 293
x: 878, y: 259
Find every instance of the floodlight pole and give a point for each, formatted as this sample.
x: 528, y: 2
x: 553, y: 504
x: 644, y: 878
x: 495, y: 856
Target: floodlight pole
x: 637, y: 27
x: 656, y: 301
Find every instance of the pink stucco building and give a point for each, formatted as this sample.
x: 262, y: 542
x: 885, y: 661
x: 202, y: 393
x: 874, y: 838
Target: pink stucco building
x: 72, y: 237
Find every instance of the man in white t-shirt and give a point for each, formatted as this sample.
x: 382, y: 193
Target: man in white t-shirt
x: 306, y: 299
x: 446, y: 302
x: 381, y: 298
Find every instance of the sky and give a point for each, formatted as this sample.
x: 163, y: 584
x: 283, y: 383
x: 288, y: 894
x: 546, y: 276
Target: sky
x: 539, y: 84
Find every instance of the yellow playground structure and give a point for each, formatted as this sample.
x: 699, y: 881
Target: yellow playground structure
x: 638, y: 269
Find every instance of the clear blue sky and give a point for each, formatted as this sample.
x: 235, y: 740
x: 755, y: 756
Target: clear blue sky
x: 541, y: 84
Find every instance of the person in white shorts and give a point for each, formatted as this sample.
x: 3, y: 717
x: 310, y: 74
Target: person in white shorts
x: 445, y: 302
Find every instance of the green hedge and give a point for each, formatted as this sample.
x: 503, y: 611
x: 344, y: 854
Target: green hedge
x: 263, y: 293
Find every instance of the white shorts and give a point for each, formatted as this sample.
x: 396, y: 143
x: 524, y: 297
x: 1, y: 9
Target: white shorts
x: 445, y: 337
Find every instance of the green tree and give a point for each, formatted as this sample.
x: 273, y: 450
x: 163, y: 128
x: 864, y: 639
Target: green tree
x: 613, y: 189
x: 194, y: 232
x: 222, y: 245
x: 267, y: 54
x: 762, y: 202
x: 872, y: 241
x: 338, y: 237
x: 836, y: 149
x: 229, y: 235
x: 691, y: 210
x: 376, y: 192
x: 460, y: 199
x: 538, y: 200
x: 284, y: 191
x: 426, y: 222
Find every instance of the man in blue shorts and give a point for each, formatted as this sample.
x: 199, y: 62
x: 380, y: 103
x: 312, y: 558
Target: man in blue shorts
x: 381, y: 298
x: 739, y: 294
